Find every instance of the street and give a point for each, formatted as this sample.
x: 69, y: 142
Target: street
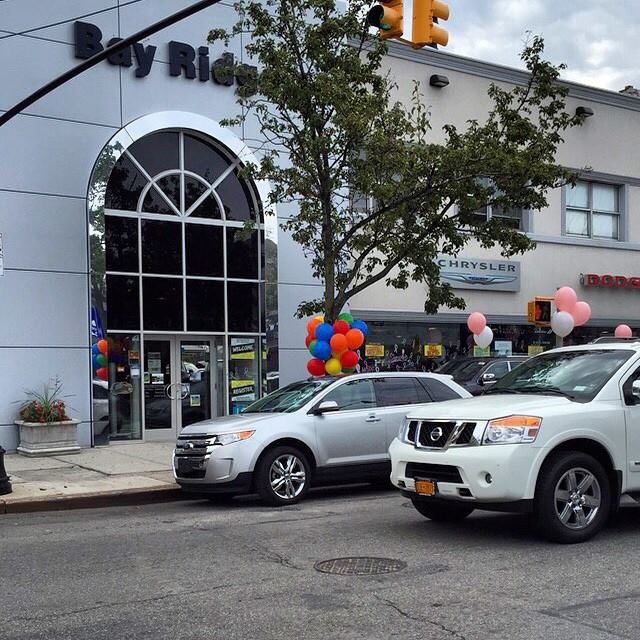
x: 239, y: 570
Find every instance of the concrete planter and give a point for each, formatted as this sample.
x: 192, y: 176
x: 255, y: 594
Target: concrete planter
x: 50, y: 439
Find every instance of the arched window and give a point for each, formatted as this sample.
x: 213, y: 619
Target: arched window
x: 176, y: 208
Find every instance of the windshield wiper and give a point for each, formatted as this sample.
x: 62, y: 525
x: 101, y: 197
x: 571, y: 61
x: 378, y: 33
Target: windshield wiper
x: 496, y: 390
x: 546, y: 390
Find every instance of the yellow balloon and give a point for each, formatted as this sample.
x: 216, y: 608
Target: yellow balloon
x: 321, y: 318
x: 333, y: 366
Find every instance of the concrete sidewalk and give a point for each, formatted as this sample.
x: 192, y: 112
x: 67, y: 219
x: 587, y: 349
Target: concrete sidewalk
x: 105, y: 476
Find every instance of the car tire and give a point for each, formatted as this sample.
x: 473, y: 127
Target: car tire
x: 288, y: 465
x: 442, y: 511
x: 573, y: 498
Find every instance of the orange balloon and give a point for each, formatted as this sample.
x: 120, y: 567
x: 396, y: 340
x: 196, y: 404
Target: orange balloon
x: 312, y: 325
x: 355, y: 338
x: 102, y: 347
x: 338, y: 343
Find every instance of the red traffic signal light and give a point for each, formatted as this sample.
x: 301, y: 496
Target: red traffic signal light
x: 387, y: 17
x: 425, y: 30
x: 539, y: 311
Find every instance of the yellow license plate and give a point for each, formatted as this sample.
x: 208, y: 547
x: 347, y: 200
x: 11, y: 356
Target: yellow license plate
x: 426, y: 487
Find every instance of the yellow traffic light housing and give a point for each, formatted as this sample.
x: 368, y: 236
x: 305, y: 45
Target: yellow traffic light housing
x: 387, y: 17
x: 425, y: 30
x: 539, y: 311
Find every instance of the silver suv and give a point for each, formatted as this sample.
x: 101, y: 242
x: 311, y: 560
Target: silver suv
x: 320, y: 431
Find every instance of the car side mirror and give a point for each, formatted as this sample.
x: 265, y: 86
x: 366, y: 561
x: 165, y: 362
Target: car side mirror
x: 635, y: 391
x: 488, y: 378
x: 326, y: 407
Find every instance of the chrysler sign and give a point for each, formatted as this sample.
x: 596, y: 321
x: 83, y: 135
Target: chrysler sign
x: 479, y: 273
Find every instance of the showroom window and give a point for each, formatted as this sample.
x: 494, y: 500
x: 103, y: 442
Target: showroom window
x: 175, y: 210
x: 593, y: 210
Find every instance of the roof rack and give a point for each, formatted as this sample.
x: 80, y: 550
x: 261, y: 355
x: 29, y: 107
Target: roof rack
x: 612, y: 339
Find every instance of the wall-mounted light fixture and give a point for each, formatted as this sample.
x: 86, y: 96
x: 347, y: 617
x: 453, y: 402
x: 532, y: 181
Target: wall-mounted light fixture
x: 438, y: 81
x: 586, y: 112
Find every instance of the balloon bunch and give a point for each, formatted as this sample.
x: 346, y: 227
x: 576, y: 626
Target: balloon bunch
x: 482, y: 334
x: 99, y: 359
x: 570, y: 312
x: 333, y: 346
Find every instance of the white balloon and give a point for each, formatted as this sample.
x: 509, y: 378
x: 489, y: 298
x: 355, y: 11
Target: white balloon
x: 562, y: 323
x: 484, y: 339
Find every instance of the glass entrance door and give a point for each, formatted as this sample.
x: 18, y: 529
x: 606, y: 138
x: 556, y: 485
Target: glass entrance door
x: 183, y: 383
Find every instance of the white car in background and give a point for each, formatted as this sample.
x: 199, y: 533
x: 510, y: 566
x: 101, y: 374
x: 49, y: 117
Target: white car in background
x: 317, y: 431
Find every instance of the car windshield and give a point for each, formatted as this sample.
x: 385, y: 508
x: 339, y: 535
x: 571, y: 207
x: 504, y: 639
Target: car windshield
x: 470, y: 371
x: 289, y: 398
x: 577, y: 375
x: 451, y: 366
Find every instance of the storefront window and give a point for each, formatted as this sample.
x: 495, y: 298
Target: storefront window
x: 117, y: 400
x: 243, y: 373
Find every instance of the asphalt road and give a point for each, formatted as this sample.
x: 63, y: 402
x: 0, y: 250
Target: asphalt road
x: 196, y: 570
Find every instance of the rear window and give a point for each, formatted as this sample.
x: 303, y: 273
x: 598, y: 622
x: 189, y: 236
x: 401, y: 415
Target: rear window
x: 392, y: 392
x: 438, y: 390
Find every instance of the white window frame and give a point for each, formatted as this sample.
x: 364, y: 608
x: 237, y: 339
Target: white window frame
x: 589, y: 211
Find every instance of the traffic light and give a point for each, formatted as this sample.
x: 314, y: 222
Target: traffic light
x: 387, y: 16
x: 425, y: 31
x: 539, y: 311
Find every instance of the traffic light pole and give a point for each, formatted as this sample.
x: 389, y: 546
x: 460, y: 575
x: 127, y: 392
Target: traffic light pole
x: 103, y: 55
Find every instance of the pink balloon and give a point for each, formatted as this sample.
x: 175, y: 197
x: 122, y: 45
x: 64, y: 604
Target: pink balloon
x: 476, y: 323
x: 581, y: 313
x: 565, y: 299
x: 623, y: 331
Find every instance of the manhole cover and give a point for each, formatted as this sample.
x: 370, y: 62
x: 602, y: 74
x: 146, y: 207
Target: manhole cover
x: 360, y: 566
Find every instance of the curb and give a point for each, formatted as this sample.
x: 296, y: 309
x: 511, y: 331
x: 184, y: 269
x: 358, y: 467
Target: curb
x: 129, y: 497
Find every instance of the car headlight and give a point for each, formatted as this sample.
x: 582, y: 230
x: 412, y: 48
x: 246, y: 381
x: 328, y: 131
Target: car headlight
x: 402, y: 431
x: 512, y: 430
x: 230, y: 438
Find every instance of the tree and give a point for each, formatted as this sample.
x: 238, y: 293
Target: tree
x: 335, y: 136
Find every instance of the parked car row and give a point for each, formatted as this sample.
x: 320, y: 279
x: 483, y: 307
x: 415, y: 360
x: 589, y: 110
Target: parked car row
x: 557, y: 436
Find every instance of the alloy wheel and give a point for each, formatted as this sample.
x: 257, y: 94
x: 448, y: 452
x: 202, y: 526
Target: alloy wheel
x: 577, y: 498
x: 287, y: 476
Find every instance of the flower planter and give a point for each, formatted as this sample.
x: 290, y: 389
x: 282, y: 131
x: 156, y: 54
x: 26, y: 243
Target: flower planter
x: 48, y: 439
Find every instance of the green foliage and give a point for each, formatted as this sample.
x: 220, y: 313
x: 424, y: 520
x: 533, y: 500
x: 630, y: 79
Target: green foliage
x: 333, y: 130
x: 45, y: 407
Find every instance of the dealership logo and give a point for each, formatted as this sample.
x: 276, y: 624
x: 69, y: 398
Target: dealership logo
x: 436, y: 434
x: 183, y: 58
x: 609, y: 281
x: 473, y: 278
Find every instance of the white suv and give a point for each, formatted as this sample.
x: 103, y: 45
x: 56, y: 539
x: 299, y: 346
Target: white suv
x: 558, y: 436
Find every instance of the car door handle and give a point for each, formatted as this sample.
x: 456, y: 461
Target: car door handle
x: 373, y: 419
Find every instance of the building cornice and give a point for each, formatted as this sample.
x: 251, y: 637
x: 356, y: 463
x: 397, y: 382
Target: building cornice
x: 500, y: 73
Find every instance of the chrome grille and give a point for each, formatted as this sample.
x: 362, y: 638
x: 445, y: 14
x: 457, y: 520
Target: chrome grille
x: 440, y: 434
x: 193, y: 444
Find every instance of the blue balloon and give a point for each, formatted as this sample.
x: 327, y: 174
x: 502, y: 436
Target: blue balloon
x: 95, y: 361
x: 322, y: 350
x: 95, y: 349
x: 362, y: 325
x: 324, y: 332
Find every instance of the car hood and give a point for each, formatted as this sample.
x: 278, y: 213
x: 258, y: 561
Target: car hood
x: 493, y: 406
x: 226, y: 424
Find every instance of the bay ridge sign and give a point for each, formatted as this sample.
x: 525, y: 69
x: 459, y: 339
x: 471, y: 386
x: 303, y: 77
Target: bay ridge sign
x: 184, y: 60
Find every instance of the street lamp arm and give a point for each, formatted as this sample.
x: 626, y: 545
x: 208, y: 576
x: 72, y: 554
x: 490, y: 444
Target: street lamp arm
x: 103, y: 55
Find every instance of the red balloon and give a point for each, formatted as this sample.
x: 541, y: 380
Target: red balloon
x: 102, y: 373
x: 102, y: 347
x: 355, y: 338
x: 315, y: 367
x: 349, y: 360
x: 308, y: 340
x: 340, y: 326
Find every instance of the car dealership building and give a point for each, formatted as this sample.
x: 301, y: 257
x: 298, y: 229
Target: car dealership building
x: 121, y: 216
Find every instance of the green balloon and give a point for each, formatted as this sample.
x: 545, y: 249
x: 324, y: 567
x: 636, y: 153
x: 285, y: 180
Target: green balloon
x: 312, y: 344
x: 348, y: 370
x: 347, y: 317
x: 101, y: 360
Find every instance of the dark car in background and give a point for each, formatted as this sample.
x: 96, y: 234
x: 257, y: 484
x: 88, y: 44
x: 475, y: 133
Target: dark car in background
x: 477, y: 374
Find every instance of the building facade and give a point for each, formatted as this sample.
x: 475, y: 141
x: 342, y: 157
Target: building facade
x: 127, y: 270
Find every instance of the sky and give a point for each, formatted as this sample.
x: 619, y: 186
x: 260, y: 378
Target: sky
x: 599, y: 40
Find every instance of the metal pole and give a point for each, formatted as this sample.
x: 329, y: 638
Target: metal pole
x: 103, y: 55
x: 5, y: 485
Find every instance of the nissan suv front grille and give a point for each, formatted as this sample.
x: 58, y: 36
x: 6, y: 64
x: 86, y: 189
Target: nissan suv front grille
x: 435, y: 434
